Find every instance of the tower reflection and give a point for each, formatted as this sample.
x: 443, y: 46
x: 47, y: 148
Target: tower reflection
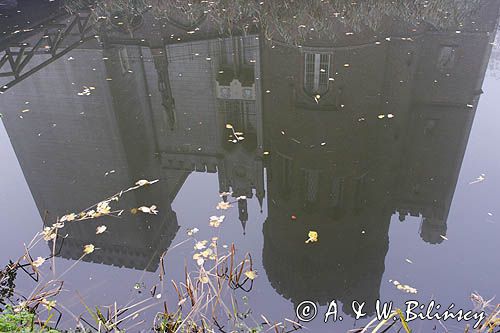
x: 361, y: 126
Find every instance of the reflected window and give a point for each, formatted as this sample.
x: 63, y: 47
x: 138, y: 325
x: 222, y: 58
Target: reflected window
x: 312, y: 184
x: 316, y: 73
x: 446, y: 59
x: 337, y: 192
x: 124, y: 60
x: 430, y: 126
x: 240, y: 114
x: 286, y: 173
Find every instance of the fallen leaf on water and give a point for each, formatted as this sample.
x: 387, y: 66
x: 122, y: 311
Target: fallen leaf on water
x: 148, y: 210
x: 68, y: 218
x: 103, y: 207
x: 89, y: 248
x: 252, y: 275
x: 193, y: 231
x: 404, y: 287
x: 143, y: 182
x: 208, y: 252
x: 313, y: 237
x: 100, y: 229
x: 49, y: 233
x: 223, y: 205
x: 215, y: 221
x: 38, y: 262
x: 200, y: 245
x: 479, y: 179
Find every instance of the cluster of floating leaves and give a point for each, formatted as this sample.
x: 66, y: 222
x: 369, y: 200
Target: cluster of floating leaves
x: 236, y: 136
x: 208, y: 251
x: 102, y: 208
x: 215, y: 221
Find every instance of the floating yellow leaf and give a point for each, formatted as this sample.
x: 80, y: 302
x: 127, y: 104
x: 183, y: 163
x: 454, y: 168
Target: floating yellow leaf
x: 143, y: 182
x: 251, y: 275
x: 200, y: 245
x: 103, y: 207
x: 223, y: 205
x: 88, y: 249
x: 313, y: 237
x: 58, y: 225
x: 68, y: 218
x: 49, y: 233
x: 192, y: 231
x: 215, y: 221
x: 208, y: 252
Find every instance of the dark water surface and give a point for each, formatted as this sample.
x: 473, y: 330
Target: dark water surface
x: 376, y: 127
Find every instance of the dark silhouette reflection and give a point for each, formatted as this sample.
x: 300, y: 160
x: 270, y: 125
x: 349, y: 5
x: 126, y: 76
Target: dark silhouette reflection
x: 361, y: 122
x: 373, y: 124
x: 155, y: 111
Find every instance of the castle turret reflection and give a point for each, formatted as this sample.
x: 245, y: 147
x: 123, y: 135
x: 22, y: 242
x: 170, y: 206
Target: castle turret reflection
x: 360, y: 128
x: 352, y: 128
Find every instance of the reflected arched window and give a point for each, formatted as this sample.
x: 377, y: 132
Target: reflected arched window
x: 316, y: 73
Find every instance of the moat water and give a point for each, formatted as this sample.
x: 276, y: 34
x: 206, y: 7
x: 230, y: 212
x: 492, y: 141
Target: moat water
x: 374, y: 125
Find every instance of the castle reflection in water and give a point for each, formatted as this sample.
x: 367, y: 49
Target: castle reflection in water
x: 350, y: 130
